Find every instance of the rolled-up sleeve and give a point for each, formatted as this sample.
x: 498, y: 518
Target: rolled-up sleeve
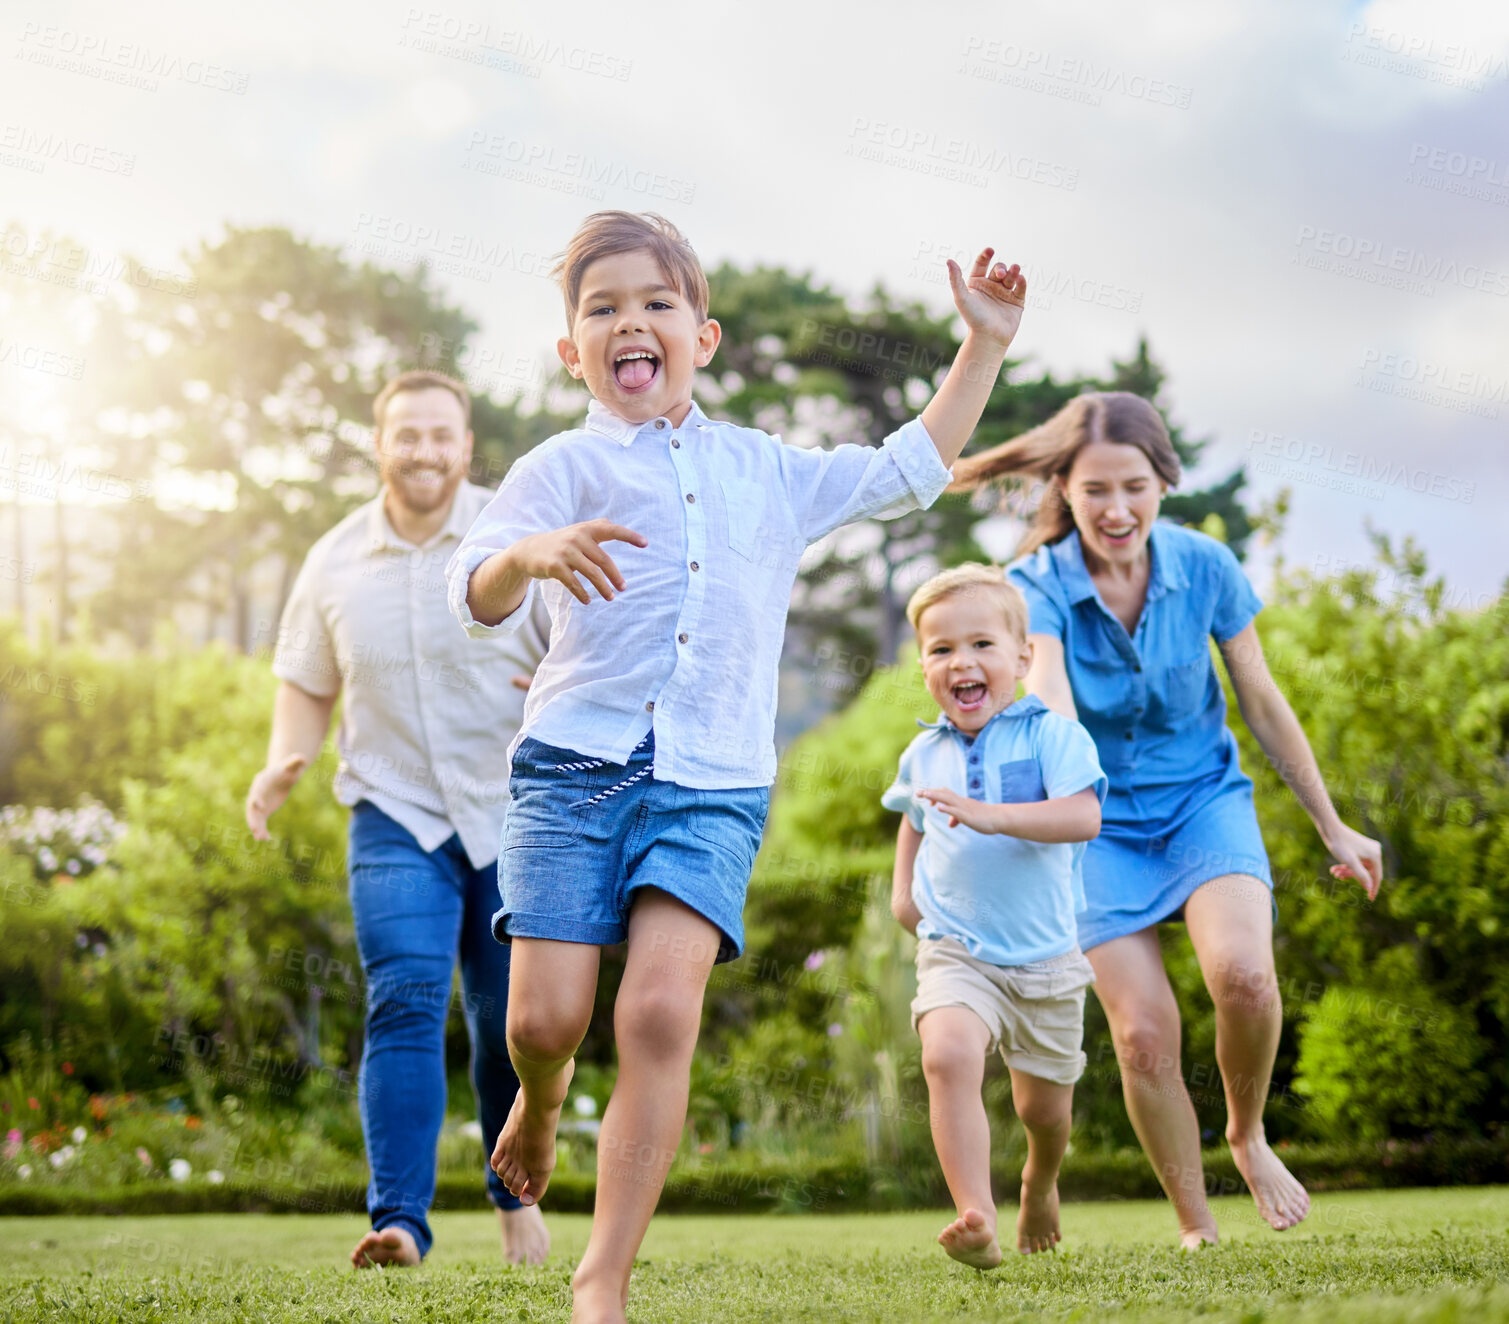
x: 528, y: 501
x: 305, y: 653
x: 830, y: 488
x: 1035, y: 577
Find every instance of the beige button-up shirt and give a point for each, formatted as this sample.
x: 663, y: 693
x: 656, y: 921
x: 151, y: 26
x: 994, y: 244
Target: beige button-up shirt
x: 428, y: 712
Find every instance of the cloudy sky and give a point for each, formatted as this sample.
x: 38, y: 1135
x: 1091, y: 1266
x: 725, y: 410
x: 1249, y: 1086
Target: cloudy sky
x: 1305, y: 206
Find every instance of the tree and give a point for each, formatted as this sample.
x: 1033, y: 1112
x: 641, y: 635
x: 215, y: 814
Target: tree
x: 242, y: 399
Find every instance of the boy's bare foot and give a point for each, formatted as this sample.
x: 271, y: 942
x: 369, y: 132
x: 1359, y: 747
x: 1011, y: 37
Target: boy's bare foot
x: 1037, y: 1223
x: 1192, y: 1238
x: 526, y: 1239
x: 597, y: 1302
x: 971, y: 1239
x: 1280, y: 1197
x: 524, y: 1156
x: 393, y: 1245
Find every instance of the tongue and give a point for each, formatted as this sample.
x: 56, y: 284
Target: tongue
x: 635, y: 372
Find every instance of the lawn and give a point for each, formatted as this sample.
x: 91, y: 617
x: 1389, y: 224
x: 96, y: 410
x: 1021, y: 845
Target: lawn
x: 1425, y: 1255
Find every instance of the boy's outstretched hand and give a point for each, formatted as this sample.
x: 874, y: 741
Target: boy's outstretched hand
x: 961, y: 809
x: 991, y: 299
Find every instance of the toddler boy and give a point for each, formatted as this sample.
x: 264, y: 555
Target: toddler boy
x: 999, y: 797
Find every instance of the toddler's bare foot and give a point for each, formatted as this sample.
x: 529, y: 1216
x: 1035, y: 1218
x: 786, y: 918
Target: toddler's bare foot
x: 524, y: 1156
x: 1279, y: 1196
x: 526, y: 1239
x: 971, y: 1239
x: 393, y: 1245
x: 1037, y: 1223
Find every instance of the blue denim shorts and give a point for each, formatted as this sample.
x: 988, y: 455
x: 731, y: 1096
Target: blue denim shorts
x: 575, y: 849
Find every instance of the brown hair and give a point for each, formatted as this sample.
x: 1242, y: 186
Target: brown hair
x: 1049, y: 450
x: 606, y: 233
x: 972, y: 577
x: 421, y: 379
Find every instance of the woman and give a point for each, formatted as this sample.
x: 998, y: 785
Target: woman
x: 1123, y: 608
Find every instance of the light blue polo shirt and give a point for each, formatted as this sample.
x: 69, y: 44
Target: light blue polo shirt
x: 1010, y: 902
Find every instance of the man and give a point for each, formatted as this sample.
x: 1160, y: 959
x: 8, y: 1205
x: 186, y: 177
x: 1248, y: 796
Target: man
x: 426, y: 711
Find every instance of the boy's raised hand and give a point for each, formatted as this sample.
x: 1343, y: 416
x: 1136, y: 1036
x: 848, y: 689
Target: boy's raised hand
x: 563, y: 554
x: 991, y: 299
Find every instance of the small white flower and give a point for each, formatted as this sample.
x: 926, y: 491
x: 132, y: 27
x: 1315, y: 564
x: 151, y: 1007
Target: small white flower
x: 584, y: 1105
x: 73, y: 867
x: 80, y: 1135
x: 179, y: 1169
x: 471, y: 1130
x: 214, y: 1176
x: 46, y: 858
x: 24, y: 1172
x: 57, y: 1160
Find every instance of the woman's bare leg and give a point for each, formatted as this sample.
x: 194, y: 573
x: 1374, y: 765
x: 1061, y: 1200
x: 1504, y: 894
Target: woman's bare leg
x: 1230, y: 921
x: 1133, y: 988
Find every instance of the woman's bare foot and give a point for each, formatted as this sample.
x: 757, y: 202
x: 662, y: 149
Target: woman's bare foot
x: 524, y: 1156
x: 526, y: 1239
x: 1280, y: 1197
x: 971, y: 1239
x: 393, y: 1245
x: 1037, y: 1223
x: 1193, y: 1238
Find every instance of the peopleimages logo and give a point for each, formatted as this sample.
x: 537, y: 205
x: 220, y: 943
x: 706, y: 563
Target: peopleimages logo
x: 1380, y: 263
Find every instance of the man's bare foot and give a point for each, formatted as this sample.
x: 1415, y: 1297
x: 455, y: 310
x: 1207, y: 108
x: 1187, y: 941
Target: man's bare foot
x: 1037, y: 1223
x: 1193, y: 1238
x: 524, y: 1156
x: 393, y: 1245
x: 971, y: 1239
x: 526, y: 1239
x: 597, y: 1302
x: 1279, y: 1196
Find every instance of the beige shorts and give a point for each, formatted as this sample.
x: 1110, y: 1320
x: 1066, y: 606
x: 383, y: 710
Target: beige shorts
x: 1035, y: 1013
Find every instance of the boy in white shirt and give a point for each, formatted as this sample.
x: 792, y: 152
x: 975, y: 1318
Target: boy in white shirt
x: 641, y: 773
x: 999, y: 796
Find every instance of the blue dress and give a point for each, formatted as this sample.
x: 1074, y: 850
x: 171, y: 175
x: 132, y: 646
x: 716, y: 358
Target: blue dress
x: 1179, y: 811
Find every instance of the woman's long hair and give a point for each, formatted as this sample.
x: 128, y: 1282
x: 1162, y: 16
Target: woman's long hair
x: 1048, y: 452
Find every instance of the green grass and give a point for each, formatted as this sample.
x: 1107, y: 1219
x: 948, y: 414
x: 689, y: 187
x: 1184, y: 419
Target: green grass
x: 1426, y: 1255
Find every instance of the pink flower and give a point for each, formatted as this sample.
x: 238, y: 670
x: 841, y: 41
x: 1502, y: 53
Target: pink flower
x: 815, y: 960
x: 13, y: 1140
x: 146, y: 1158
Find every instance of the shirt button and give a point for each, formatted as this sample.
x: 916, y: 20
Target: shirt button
x: 691, y: 498
x: 650, y: 707
x: 660, y: 423
x: 682, y: 638
x: 695, y: 566
x: 676, y: 443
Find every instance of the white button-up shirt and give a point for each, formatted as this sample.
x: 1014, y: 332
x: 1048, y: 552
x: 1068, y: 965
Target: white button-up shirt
x: 424, y: 706
x: 693, y: 643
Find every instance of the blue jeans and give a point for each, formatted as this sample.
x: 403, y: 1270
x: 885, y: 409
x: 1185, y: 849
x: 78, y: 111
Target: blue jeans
x: 415, y: 912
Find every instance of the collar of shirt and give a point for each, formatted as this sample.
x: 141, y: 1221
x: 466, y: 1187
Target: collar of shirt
x: 1026, y: 706
x: 603, y: 420
x: 383, y: 536
x: 1167, y: 573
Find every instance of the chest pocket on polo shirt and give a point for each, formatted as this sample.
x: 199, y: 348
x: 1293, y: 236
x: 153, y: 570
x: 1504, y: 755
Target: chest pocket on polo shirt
x: 750, y: 531
x: 1021, y: 782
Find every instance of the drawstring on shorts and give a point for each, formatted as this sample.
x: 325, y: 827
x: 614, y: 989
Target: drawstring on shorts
x: 586, y: 765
